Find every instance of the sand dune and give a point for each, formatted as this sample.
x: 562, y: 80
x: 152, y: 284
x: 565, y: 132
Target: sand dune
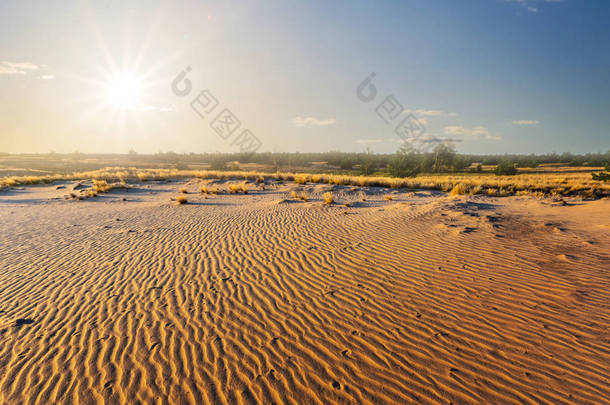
x: 238, y: 299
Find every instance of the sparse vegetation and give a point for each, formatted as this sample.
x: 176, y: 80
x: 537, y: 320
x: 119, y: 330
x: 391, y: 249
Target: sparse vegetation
x: 182, y: 200
x: 575, y: 184
x: 183, y: 190
x: 299, y: 196
x: 328, y: 198
x: 102, y: 186
x: 388, y: 197
x: 459, y: 189
x: 301, y: 178
x: 604, y: 176
x: 204, y: 189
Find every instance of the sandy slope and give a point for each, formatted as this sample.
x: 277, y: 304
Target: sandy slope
x: 241, y: 299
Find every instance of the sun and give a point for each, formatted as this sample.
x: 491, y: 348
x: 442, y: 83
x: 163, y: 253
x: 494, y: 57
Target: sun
x: 123, y: 91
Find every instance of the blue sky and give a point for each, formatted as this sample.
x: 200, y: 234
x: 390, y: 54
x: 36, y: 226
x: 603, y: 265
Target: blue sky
x: 495, y: 76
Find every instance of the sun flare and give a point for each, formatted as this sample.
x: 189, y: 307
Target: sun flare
x: 123, y: 91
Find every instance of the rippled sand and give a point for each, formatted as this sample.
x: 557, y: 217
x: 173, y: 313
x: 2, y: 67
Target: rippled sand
x: 261, y: 299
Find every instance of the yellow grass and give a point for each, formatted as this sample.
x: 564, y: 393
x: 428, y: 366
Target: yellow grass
x: 181, y: 200
x: 546, y: 184
x: 459, y: 189
x: 183, y: 190
x: 204, y: 189
x: 299, y: 196
x: 102, y: 186
x: 301, y: 178
x: 328, y: 198
x: 388, y: 197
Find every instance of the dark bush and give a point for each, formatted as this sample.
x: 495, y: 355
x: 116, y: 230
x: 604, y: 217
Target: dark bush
x: 505, y: 168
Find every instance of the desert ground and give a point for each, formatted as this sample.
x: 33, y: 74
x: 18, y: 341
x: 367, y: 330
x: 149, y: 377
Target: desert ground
x: 396, y: 297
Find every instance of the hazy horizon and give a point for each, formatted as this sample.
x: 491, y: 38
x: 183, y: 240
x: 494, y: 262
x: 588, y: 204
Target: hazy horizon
x: 495, y: 76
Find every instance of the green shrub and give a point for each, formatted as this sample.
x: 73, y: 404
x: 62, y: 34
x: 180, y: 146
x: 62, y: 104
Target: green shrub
x: 405, y: 163
x: 505, y: 168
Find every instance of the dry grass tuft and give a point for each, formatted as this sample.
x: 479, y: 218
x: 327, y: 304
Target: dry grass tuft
x: 102, y: 186
x: 301, y: 178
x: 183, y: 190
x: 459, y: 189
x: 388, y: 198
x: 181, y: 200
x: 233, y: 188
x: 328, y: 198
x: 299, y: 196
x: 204, y: 189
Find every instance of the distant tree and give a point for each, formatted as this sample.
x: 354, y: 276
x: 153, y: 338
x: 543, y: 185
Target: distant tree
x: 367, y: 162
x: 460, y: 163
x: 505, y: 168
x: 132, y: 152
x: 444, y: 156
x: 405, y: 163
x: 347, y: 163
x: 218, y: 164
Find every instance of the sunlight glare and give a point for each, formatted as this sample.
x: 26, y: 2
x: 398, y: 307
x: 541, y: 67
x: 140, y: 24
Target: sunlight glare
x: 123, y: 91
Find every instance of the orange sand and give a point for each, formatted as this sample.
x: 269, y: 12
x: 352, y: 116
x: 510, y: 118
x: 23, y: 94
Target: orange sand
x: 257, y: 298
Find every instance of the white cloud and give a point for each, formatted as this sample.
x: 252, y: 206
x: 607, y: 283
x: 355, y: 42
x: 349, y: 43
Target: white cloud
x: 431, y: 113
x: 526, y: 122
x: 16, y: 68
x: 312, y: 122
x: 474, y: 133
x: 530, y: 5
